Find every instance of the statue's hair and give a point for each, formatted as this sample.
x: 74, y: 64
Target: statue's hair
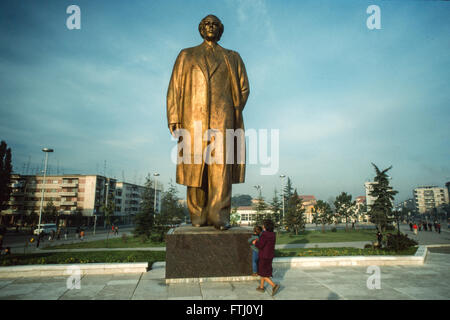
x: 202, y: 23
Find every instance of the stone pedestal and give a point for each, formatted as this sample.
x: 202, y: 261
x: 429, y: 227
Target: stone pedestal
x: 205, y: 252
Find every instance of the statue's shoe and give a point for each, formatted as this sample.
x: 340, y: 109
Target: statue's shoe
x: 222, y: 227
x: 198, y: 225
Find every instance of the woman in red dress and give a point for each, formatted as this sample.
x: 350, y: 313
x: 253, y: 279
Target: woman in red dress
x: 266, y: 246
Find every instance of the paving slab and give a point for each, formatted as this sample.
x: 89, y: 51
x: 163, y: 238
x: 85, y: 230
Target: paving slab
x: 428, y: 281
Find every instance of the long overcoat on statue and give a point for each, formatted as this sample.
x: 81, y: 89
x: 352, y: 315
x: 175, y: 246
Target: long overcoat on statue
x: 195, y: 98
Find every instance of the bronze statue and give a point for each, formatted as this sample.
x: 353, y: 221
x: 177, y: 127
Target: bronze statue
x: 208, y: 90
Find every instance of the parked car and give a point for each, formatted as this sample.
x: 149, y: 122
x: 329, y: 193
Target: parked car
x: 45, y: 228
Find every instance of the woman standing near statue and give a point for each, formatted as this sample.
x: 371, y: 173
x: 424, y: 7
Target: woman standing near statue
x: 266, y: 246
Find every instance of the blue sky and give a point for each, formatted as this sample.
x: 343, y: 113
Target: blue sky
x: 341, y: 95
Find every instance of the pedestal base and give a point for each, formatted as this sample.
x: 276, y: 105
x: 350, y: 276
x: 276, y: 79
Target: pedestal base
x: 206, y: 252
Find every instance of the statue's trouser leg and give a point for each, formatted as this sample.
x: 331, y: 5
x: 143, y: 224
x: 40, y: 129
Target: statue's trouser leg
x: 197, y: 203
x: 219, y: 194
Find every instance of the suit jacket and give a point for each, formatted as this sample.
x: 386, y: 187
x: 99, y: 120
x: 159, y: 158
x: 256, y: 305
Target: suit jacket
x: 189, y: 104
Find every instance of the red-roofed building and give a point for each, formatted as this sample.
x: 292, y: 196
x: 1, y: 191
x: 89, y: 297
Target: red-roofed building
x: 309, y: 201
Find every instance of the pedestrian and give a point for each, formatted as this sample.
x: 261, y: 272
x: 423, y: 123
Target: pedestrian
x: 58, y: 234
x: 81, y: 234
x: 415, y: 228
x: 438, y: 227
x: 379, y: 239
x: 410, y: 226
x: 256, y: 234
x: 266, y: 246
x: 53, y: 234
x: 425, y: 228
x: 420, y: 226
x: 66, y: 233
x: 77, y: 231
x: 430, y: 226
x: 353, y: 225
x: 116, y: 230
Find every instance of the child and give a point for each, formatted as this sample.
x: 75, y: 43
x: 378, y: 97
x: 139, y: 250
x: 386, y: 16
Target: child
x: 266, y: 246
x: 256, y: 233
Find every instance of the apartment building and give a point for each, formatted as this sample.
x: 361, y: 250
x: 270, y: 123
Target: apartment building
x: 70, y: 194
x: 128, y: 199
x: 427, y: 198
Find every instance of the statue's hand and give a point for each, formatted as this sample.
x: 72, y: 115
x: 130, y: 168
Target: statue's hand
x: 173, y: 127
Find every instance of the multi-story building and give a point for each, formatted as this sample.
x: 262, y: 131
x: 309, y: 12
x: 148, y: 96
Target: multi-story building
x: 87, y: 195
x: 69, y: 194
x: 128, y: 198
x: 361, y: 209
x: 369, y: 199
x: 427, y: 198
x: 309, y: 201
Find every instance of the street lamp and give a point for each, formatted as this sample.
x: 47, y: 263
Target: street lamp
x: 282, y: 176
x: 156, y: 182
x: 47, y: 151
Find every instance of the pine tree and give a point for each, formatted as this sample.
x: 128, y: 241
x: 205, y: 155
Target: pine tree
x: 380, y: 211
x: 295, y: 214
x: 260, y: 207
x: 144, y: 220
x: 172, y: 211
x: 276, y: 208
x: 5, y: 175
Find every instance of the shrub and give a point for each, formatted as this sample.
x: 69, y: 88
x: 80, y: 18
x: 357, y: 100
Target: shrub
x: 368, y: 246
x: 399, y: 242
x: 333, y: 229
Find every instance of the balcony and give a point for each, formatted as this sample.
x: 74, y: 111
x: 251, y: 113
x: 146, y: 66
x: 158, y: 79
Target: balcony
x: 72, y: 184
x: 68, y: 203
x: 68, y: 194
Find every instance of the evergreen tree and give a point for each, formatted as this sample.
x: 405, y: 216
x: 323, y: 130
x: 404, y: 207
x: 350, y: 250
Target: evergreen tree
x: 5, y: 175
x: 260, y: 207
x: 380, y: 211
x: 144, y: 220
x: 322, y: 214
x: 345, y: 207
x: 172, y: 212
x: 276, y: 209
x: 295, y: 214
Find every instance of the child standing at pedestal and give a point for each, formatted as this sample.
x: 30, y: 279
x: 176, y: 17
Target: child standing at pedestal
x: 256, y: 233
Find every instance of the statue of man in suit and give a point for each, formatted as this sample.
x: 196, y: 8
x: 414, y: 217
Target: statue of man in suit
x: 207, y: 92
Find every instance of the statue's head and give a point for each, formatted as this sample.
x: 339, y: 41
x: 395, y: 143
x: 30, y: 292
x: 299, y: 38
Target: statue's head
x: 211, y: 28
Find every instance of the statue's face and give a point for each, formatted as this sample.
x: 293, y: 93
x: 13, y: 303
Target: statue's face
x: 211, y: 28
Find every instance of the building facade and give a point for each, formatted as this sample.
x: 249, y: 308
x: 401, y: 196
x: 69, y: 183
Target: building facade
x: 85, y: 195
x: 128, y: 198
x: 428, y: 198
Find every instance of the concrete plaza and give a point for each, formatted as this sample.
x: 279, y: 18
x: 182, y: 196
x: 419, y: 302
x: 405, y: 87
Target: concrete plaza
x: 430, y: 281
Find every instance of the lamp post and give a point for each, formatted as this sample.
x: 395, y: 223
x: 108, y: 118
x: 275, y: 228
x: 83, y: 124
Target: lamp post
x: 47, y: 151
x: 282, y: 194
x: 156, y: 182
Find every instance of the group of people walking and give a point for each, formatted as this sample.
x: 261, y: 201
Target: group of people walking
x: 426, y: 226
x: 263, y: 251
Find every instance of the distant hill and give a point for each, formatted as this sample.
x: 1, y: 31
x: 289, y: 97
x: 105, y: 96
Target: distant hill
x: 241, y: 200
